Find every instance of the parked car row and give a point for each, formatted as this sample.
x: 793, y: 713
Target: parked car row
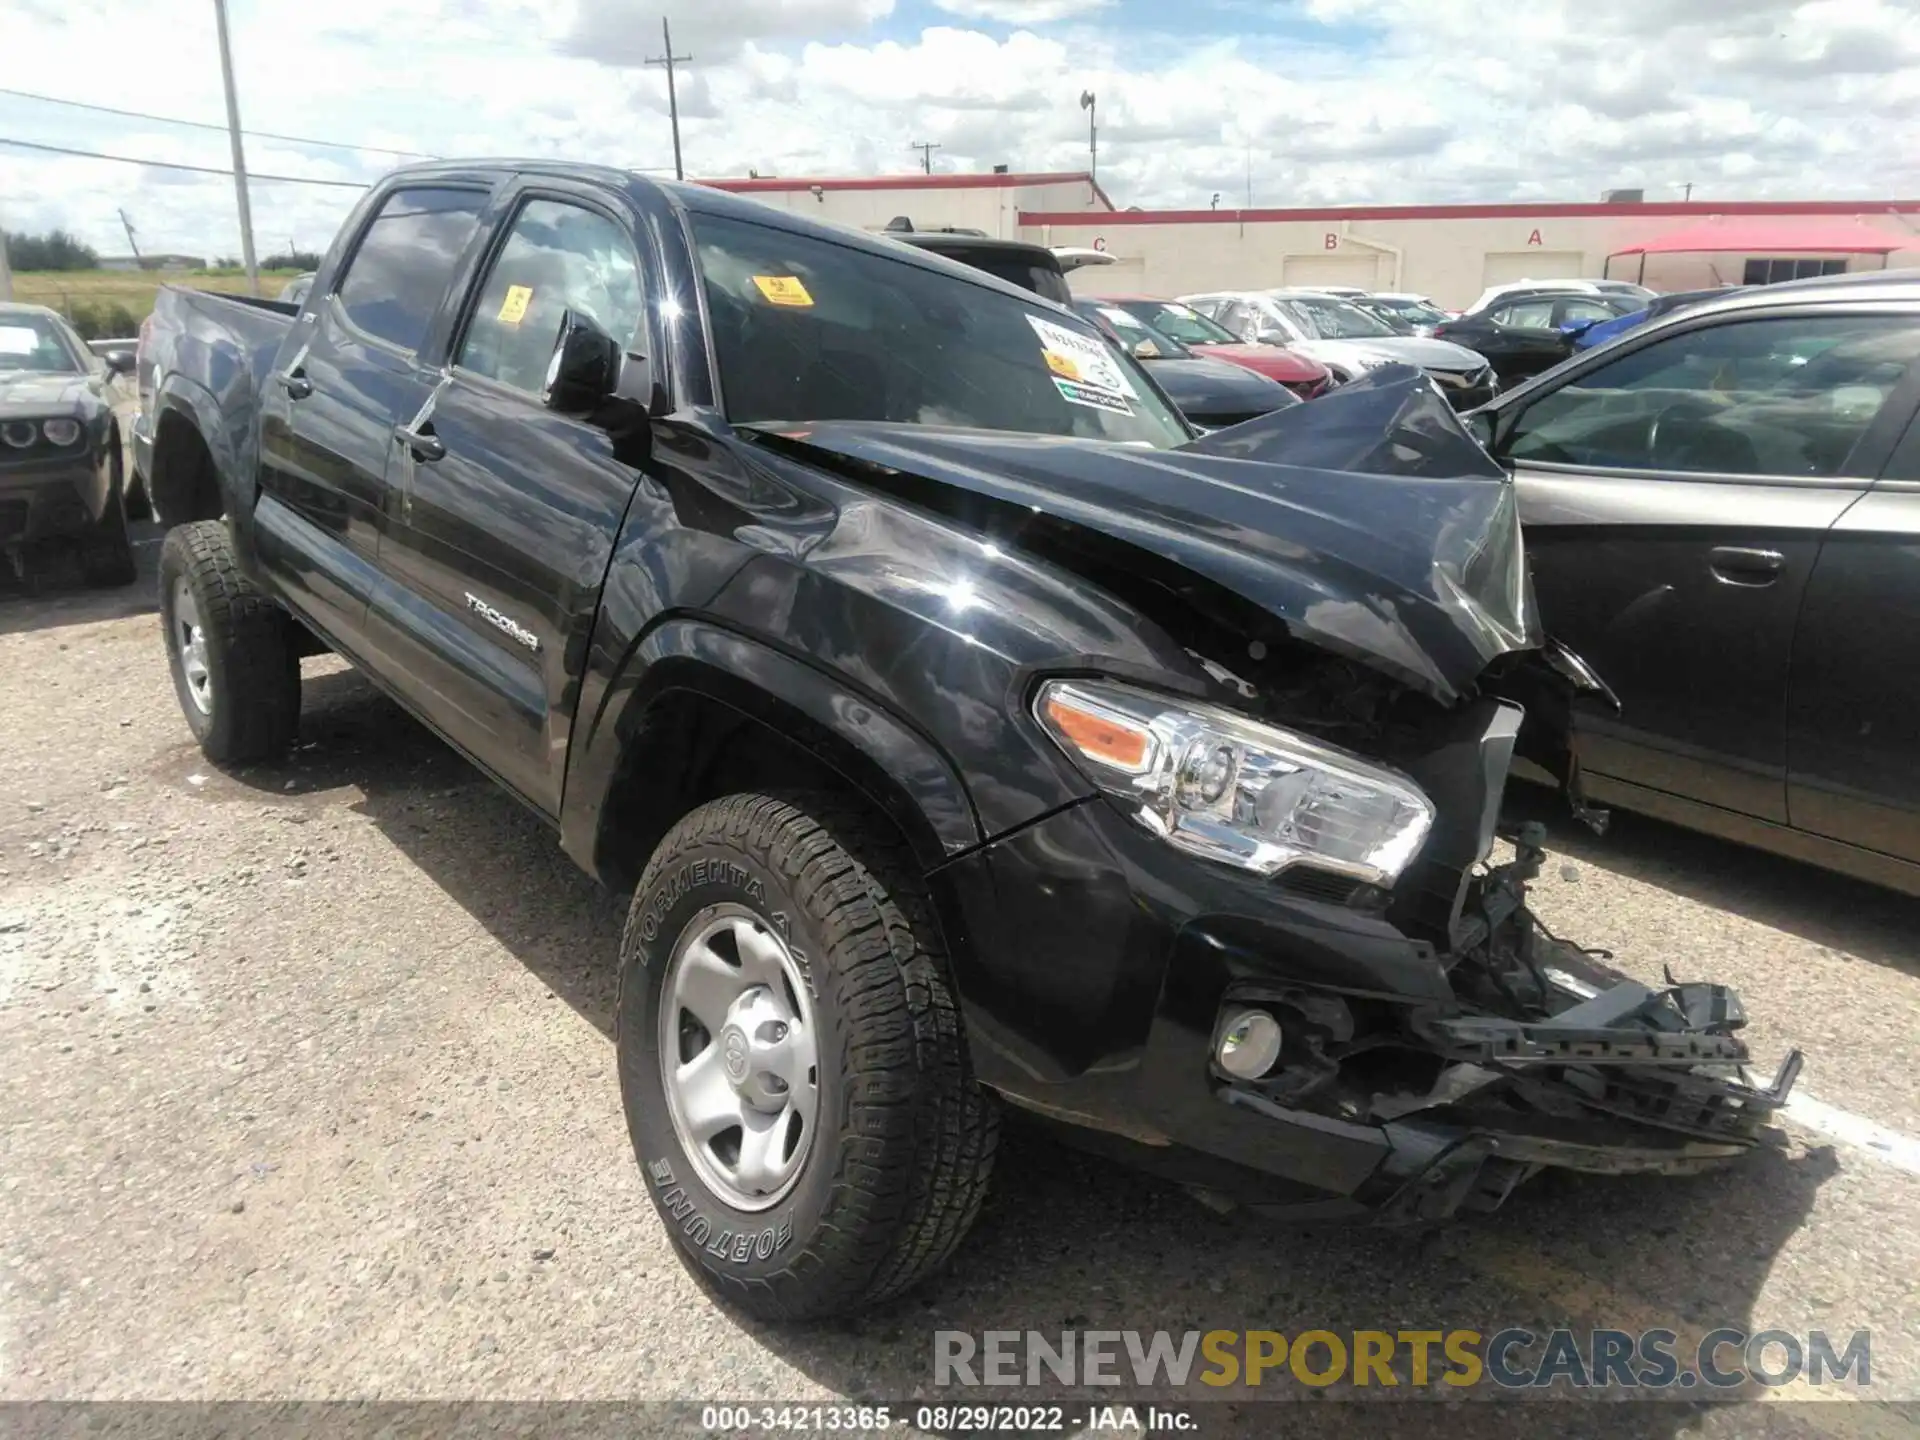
x: 1346, y: 339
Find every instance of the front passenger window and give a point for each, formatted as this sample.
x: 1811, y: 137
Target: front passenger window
x: 558, y: 257
x: 1788, y: 396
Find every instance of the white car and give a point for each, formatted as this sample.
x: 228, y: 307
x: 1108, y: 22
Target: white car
x: 1558, y: 287
x: 1346, y: 339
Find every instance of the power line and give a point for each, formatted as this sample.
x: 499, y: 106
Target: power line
x: 208, y: 125
x: 176, y: 165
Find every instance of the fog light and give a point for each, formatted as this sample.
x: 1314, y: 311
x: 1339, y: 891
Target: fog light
x: 1249, y: 1044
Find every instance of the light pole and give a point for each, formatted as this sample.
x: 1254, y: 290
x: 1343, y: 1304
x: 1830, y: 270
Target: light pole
x: 1093, y: 136
x: 239, y: 154
x: 673, y: 97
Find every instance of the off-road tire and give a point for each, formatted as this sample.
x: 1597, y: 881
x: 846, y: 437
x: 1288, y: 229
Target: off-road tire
x: 252, y: 659
x: 106, y: 550
x: 905, y: 1138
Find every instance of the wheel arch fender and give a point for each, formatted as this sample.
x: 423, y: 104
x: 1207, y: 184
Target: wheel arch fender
x: 708, y: 687
x: 178, y: 483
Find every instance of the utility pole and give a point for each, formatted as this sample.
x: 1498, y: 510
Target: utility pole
x: 1093, y: 136
x: 6, y: 270
x: 1689, y: 194
x: 926, y: 149
x: 239, y: 154
x: 127, y: 225
x: 673, y: 98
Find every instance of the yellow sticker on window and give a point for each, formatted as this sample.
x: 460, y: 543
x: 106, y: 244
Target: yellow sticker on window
x: 513, y: 309
x: 1061, y: 365
x: 783, y: 289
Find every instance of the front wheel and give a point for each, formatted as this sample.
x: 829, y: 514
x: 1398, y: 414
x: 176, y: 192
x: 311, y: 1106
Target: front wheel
x: 791, y: 1059
x: 231, y: 649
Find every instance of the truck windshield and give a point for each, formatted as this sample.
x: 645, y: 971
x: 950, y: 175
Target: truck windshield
x: 33, y: 342
x: 805, y: 330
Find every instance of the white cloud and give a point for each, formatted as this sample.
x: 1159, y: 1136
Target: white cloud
x: 1021, y: 12
x: 1771, y: 98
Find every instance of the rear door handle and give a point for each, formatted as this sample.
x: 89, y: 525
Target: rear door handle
x: 297, y: 386
x: 1741, y: 565
x: 421, y: 444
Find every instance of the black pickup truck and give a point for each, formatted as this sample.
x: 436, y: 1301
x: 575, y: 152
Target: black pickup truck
x: 967, y: 728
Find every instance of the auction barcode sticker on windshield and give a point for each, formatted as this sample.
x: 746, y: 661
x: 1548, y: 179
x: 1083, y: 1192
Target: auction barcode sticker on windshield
x: 1084, y: 370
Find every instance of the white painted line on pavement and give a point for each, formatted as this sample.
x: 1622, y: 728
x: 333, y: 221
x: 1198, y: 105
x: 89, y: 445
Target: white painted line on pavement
x: 1900, y: 1151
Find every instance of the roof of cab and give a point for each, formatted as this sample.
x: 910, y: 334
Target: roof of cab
x: 700, y: 199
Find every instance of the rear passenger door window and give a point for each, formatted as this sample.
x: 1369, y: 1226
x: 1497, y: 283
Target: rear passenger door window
x: 401, y: 269
x: 558, y: 257
x: 1526, y: 315
x: 1788, y: 396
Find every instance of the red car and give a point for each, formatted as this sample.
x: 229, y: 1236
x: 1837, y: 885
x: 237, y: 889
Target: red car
x: 1305, y: 378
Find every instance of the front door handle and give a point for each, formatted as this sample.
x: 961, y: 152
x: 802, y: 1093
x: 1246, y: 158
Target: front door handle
x: 1742, y: 565
x: 297, y: 386
x: 421, y: 444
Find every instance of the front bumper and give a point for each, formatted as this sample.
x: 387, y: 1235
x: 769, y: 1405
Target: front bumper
x: 1101, y: 966
x: 50, y: 497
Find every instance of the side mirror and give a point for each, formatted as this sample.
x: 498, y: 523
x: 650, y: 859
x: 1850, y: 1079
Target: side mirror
x: 1480, y: 425
x: 120, y: 362
x: 1574, y: 329
x: 1267, y: 335
x: 1145, y: 350
x: 585, y: 366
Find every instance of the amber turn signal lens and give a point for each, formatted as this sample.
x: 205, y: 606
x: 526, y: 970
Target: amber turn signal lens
x: 1099, y: 737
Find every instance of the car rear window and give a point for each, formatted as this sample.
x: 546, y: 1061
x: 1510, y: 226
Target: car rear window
x: 404, y: 262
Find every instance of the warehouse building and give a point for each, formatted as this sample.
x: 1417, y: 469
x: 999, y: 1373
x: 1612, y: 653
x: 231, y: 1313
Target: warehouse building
x: 1448, y: 252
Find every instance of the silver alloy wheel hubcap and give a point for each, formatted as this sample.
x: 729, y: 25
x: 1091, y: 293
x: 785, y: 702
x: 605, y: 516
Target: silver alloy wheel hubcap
x: 739, y: 1056
x: 190, y: 642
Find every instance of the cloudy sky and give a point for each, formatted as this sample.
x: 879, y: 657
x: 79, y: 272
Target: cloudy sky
x: 1328, y: 101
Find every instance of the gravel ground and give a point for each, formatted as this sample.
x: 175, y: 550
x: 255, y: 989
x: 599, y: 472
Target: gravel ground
x: 306, y: 1091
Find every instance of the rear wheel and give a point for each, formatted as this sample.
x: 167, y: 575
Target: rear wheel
x: 791, y: 1060
x: 232, y: 649
x: 106, y: 551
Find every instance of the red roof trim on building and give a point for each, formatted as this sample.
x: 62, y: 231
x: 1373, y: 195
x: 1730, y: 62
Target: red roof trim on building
x: 1701, y: 208
x: 783, y: 184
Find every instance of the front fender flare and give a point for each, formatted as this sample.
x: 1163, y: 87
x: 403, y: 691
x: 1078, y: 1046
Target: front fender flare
x: 895, y: 766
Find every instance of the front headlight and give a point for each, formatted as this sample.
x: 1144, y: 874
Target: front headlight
x: 1235, y: 790
x: 61, y: 432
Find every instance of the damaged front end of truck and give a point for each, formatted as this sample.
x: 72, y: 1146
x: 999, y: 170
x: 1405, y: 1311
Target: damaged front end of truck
x: 1400, y: 1042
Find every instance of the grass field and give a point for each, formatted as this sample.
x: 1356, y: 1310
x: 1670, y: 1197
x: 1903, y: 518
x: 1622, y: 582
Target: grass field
x: 98, y: 301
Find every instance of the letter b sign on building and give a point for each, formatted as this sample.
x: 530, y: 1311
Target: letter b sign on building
x: 1332, y: 241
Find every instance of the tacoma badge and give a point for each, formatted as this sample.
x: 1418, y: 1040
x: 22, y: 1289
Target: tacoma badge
x: 506, y: 624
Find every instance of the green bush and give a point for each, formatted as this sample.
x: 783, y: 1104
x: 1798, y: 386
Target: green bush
x: 55, y: 250
x: 102, y: 319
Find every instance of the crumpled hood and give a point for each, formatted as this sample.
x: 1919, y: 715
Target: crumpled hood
x: 34, y: 393
x: 1419, y: 350
x: 1367, y: 521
